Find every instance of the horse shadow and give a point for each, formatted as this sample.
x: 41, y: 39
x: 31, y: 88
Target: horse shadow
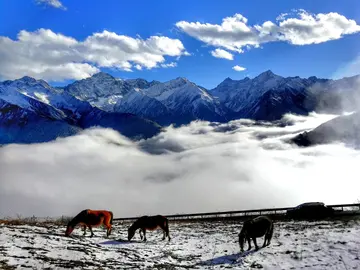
x: 228, y: 259
x: 120, y: 242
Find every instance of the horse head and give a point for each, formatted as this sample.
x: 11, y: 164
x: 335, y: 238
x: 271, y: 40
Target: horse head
x: 242, y: 236
x: 131, y: 233
x: 69, y: 229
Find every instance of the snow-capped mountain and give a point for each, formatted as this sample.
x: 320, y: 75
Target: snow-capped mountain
x: 177, y: 101
x: 30, y: 93
x: 237, y: 95
x: 135, y: 106
x: 19, y: 125
x: 275, y: 103
x: 138, y: 103
x: 34, y: 106
x: 101, y: 90
x: 141, y: 83
x: 269, y: 96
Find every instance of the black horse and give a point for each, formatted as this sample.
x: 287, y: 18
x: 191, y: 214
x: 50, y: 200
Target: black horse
x: 150, y: 223
x: 254, y: 228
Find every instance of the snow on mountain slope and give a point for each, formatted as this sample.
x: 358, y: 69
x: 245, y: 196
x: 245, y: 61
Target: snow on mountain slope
x: 238, y: 95
x: 137, y: 102
x: 19, y: 125
x: 12, y: 96
x: 187, y: 101
x: 20, y: 91
x: 101, y: 90
x: 141, y: 83
x: 45, y: 104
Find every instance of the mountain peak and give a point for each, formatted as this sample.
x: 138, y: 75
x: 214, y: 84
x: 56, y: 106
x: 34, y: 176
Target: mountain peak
x: 27, y: 79
x: 181, y: 79
x: 102, y: 75
x: 266, y: 75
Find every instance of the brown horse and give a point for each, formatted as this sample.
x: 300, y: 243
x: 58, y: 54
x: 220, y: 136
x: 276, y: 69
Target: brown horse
x: 254, y: 228
x: 91, y: 218
x: 150, y: 223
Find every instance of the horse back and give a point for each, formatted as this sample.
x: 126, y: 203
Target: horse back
x: 96, y: 217
x: 258, y: 226
x: 152, y: 222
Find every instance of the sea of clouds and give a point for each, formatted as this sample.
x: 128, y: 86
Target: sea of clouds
x: 199, y: 167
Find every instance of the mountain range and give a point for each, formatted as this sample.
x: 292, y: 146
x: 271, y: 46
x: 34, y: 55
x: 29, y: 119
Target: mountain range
x: 33, y: 111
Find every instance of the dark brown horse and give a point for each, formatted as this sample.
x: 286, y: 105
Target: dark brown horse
x: 91, y: 218
x: 254, y: 228
x: 150, y: 223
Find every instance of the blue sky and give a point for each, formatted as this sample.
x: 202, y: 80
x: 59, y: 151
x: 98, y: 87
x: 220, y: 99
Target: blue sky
x: 327, y: 47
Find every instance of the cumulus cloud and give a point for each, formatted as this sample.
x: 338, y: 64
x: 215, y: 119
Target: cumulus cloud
x: 235, y: 34
x: 44, y: 54
x: 220, y: 53
x: 52, y: 3
x: 238, y: 68
x: 200, y: 167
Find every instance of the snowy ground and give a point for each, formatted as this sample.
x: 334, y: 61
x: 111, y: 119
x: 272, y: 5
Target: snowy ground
x: 317, y: 245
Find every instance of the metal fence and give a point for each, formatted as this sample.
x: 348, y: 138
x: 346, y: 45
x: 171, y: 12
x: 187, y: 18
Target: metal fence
x: 274, y: 212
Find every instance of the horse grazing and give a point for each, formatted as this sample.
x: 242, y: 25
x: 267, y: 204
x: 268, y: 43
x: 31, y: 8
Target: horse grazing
x: 254, y: 228
x: 91, y: 218
x: 150, y: 223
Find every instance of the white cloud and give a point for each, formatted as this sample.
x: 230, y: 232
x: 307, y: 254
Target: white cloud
x: 44, y: 54
x: 238, y: 68
x: 169, y: 65
x: 314, y: 29
x: 199, y: 167
x: 235, y: 34
x: 52, y: 3
x: 220, y: 53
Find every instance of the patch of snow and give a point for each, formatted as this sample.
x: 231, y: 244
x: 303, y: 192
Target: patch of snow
x: 203, y: 245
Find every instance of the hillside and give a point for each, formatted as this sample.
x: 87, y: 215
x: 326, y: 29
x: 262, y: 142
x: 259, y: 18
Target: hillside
x: 344, y: 129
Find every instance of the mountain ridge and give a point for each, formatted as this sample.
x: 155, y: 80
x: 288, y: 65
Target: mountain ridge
x: 103, y: 100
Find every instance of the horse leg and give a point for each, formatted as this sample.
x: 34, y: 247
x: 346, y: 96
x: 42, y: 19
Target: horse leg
x: 265, y: 238
x: 249, y: 243
x: 141, y: 237
x: 108, y: 223
x: 270, y: 233
x: 92, y: 233
x: 163, y: 228
x: 84, y: 230
x: 256, y: 246
x: 167, y: 231
x: 144, y: 231
x: 109, y: 229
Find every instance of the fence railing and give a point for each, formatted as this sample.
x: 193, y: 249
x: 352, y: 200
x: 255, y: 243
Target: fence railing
x: 244, y: 213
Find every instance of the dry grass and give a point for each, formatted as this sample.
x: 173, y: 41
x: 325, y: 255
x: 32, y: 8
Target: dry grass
x: 34, y: 221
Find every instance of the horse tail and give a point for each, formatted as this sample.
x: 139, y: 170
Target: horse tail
x: 111, y: 218
x: 166, y: 224
x: 271, y: 230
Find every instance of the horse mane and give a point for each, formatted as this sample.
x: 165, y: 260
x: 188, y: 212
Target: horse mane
x: 77, y: 218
